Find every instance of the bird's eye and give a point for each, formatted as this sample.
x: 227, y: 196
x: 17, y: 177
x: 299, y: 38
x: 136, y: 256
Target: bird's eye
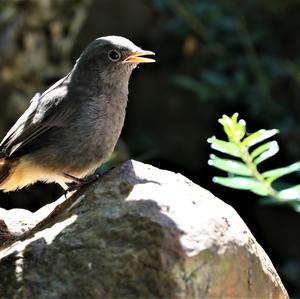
x: 114, y: 55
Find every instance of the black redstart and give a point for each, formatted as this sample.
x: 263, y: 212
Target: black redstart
x: 72, y: 128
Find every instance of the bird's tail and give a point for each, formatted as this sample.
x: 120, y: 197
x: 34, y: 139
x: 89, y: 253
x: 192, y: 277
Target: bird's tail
x: 4, y: 169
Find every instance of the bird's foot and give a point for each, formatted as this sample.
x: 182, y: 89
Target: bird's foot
x: 76, y: 183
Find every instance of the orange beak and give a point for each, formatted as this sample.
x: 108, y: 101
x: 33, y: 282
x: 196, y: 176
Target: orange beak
x: 136, y: 57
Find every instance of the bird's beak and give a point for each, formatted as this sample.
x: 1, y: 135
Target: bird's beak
x: 136, y: 57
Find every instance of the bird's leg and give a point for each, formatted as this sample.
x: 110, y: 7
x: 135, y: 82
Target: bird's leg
x: 77, y: 183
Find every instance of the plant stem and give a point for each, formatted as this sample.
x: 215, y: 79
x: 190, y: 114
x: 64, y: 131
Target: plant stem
x: 256, y: 174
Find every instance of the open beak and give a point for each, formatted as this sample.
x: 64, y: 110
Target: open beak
x: 136, y: 57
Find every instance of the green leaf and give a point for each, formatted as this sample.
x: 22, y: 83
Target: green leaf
x: 227, y: 124
x: 274, y: 174
x: 264, y: 147
x: 240, y: 130
x: 229, y: 165
x: 234, y: 129
x: 270, y: 152
x: 296, y: 207
x: 292, y: 193
x: 225, y: 147
x: 242, y: 184
x: 259, y: 136
x: 234, y: 117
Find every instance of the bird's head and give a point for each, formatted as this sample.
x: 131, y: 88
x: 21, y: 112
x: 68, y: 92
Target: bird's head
x: 113, y: 57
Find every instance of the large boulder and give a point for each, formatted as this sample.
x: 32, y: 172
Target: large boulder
x: 139, y: 232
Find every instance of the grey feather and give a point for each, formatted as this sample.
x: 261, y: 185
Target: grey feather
x: 46, y: 111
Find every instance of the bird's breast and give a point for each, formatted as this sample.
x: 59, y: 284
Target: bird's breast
x: 96, y: 132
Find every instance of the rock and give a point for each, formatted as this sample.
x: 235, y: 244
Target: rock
x: 140, y: 232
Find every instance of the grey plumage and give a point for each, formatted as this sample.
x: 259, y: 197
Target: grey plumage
x: 73, y: 126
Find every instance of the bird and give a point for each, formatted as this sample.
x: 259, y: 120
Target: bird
x: 70, y: 129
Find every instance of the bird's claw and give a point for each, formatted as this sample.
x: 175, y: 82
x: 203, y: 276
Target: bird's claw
x: 77, y: 183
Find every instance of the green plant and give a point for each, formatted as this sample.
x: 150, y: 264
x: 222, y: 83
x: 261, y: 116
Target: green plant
x: 246, y: 55
x: 244, y: 171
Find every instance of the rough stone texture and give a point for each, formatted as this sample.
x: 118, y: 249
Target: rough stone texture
x: 140, y: 232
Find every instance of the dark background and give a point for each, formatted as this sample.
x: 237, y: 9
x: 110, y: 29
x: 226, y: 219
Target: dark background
x: 213, y: 58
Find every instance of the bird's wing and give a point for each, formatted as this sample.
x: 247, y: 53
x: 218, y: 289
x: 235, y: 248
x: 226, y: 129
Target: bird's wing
x: 46, y: 111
